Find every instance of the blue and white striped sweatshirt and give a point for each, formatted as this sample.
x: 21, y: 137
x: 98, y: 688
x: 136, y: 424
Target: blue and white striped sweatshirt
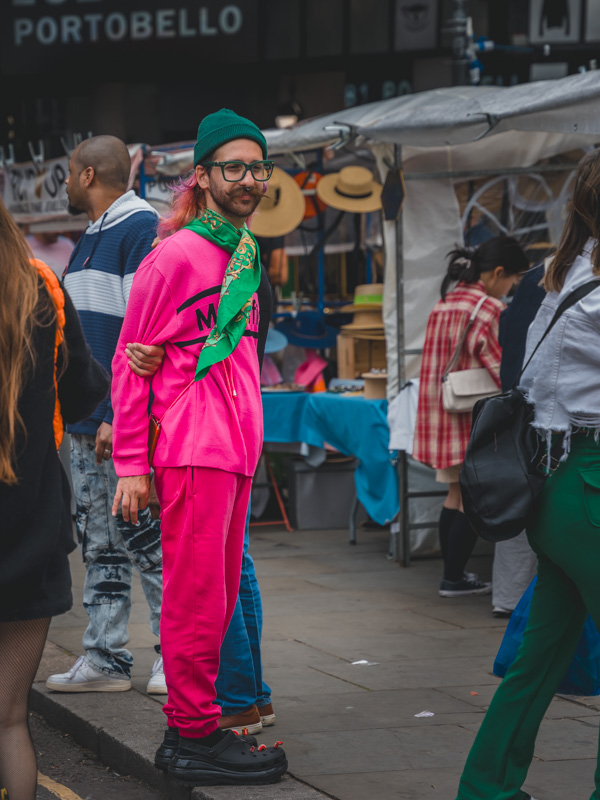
x: 99, y: 277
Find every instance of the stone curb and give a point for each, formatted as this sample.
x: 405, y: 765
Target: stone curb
x: 123, y: 734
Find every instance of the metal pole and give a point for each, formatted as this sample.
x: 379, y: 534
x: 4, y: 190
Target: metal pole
x: 400, y: 345
x: 458, y: 29
x: 142, y: 175
x: 321, y: 279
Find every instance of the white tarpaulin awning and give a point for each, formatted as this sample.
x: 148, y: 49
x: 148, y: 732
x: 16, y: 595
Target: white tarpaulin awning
x: 442, y: 131
x: 458, y: 115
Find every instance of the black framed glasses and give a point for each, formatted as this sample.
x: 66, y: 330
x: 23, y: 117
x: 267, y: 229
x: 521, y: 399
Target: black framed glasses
x: 234, y: 171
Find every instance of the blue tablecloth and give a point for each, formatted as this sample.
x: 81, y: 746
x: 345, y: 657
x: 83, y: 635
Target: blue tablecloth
x: 354, y: 426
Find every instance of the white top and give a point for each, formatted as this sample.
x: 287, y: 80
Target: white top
x: 563, y: 380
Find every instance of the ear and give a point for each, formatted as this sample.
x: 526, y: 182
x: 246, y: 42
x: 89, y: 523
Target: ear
x: 499, y: 273
x: 86, y: 177
x: 202, y: 177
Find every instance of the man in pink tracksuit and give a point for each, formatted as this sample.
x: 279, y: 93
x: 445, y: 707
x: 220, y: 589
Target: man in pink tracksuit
x: 195, y: 294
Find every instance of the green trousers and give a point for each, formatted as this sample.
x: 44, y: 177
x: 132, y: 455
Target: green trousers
x: 566, y: 539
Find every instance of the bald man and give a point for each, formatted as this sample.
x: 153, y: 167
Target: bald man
x: 98, y: 278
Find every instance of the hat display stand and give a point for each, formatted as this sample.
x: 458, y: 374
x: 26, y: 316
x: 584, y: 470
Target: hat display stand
x: 361, y: 343
x: 351, y: 190
x: 375, y: 384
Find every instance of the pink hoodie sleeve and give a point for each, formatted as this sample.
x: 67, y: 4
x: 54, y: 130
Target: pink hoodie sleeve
x: 150, y: 318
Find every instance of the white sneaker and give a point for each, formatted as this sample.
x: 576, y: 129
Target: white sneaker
x: 82, y: 677
x: 156, y: 684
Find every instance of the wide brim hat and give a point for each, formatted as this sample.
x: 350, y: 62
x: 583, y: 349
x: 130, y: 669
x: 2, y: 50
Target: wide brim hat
x: 350, y: 189
x: 367, y: 296
x: 370, y: 334
x: 276, y: 341
x: 308, y: 329
x: 282, y: 208
x: 365, y: 319
x: 309, y: 370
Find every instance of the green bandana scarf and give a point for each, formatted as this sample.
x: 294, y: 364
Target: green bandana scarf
x: 240, y: 282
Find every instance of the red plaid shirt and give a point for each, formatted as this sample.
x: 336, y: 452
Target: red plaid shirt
x: 441, y: 438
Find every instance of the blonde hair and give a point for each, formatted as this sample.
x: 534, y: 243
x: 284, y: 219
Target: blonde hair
x: 19, y: 292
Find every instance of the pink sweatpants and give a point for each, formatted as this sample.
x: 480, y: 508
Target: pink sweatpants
x: 203, y: 517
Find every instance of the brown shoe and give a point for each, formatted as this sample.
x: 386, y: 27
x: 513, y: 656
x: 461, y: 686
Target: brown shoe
x: 243, y: 722
x: 267, y: 715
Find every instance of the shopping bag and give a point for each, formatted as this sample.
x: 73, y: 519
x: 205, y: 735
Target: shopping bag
x: 583, y: 675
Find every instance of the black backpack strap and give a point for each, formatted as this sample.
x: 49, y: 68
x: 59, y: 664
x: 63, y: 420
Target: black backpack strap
x: 569, y: 301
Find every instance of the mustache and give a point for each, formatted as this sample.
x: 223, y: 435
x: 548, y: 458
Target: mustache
x: 247, y: 191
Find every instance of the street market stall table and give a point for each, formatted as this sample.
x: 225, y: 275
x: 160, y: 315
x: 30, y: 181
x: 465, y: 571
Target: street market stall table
x: 354, y: 426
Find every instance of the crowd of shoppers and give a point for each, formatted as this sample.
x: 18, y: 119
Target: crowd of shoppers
x: 177, y: 324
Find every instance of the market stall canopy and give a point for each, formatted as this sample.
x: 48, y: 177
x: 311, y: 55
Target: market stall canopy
x: 456, y: 115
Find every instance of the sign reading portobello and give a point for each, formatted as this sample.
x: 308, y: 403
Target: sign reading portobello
x: 46, y: 31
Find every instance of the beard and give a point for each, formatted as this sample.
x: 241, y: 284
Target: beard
x: 73, y: 210
x: 239, y: 202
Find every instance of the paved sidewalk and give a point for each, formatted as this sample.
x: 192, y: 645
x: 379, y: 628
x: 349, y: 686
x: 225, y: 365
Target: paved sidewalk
x: 349, y: 729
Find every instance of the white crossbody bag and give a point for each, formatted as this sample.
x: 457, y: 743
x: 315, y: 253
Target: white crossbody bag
x: 463, y: 388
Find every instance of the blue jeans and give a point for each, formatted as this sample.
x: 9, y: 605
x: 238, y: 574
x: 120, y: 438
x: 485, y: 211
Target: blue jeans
x: 240, y: 683
x: 110, y: 546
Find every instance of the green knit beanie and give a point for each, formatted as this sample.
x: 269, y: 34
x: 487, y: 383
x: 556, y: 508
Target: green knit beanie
x: 224, y: 126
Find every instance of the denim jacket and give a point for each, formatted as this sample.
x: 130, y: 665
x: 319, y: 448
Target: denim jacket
x: 563, y: 379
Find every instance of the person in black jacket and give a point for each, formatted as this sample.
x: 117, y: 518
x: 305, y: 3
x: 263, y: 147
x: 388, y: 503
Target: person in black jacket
x: 515, y: 563
x: 36, y: 526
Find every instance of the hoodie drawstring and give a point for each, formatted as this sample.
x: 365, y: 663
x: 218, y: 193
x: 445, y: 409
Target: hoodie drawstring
x: 229, y: 375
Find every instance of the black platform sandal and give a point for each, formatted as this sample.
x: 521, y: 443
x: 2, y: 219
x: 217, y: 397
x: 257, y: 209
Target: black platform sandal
x: 170, y: 743
x: 230, y: 762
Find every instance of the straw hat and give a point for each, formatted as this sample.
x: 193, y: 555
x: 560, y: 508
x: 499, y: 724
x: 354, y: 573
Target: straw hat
x: 366, y: 296
x: 281, y: 209
x: 372, y: 334
x: 368, y: 320
x: 351, y: 189
x: 367, y: 305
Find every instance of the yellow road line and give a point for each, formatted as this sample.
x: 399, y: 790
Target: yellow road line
x: 57, y: 789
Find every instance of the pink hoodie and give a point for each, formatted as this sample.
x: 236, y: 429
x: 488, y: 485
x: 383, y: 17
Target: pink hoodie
x: 217, y: 422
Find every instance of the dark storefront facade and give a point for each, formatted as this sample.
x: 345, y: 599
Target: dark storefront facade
x: 148, y: 70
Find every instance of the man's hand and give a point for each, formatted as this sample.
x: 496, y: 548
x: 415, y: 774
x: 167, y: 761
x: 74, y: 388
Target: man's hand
x: 132, y: 495
x: 104, y: 443
x: 144, y: 359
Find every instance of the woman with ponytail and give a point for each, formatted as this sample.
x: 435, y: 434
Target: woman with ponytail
x: 46, y: 375
x: 488, y: 271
